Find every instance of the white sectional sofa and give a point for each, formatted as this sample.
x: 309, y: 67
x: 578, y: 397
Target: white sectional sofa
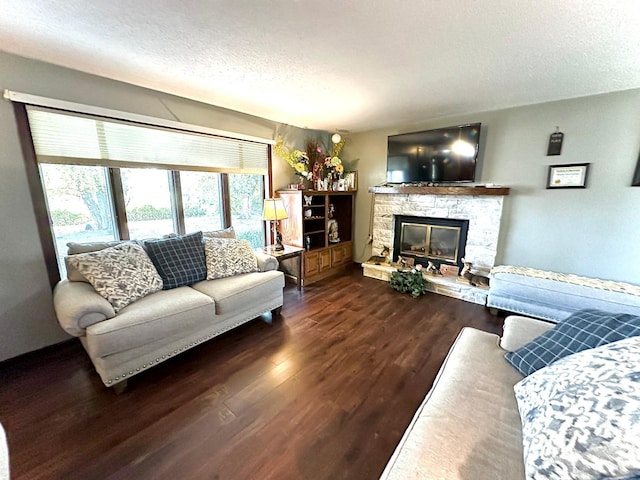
x: 468, y: 426
x: 575, y: 414
x: 163, y: 324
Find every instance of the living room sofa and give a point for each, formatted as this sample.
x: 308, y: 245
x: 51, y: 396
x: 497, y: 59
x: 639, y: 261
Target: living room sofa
x: 469, y: 425
x: 124, y: 342
x: 553, y: 296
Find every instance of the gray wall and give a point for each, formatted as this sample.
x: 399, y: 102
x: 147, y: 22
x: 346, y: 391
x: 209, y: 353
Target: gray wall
x: 27, y: 319
x: 593, y: 232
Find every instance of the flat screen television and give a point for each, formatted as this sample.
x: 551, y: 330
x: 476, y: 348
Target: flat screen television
x: 434, y: 156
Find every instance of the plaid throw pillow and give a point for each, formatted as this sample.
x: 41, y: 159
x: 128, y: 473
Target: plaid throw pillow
x: 179, y: 260
x: 581, y: 331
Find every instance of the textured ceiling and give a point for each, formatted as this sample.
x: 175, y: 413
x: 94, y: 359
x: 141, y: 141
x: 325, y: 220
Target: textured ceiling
x: 327, y: 64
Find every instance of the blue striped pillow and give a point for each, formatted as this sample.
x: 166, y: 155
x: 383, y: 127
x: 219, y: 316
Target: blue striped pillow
x: 179, y: 260
x: 582, y: 330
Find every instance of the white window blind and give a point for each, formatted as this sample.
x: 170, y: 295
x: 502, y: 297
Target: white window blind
x: 65, y: 137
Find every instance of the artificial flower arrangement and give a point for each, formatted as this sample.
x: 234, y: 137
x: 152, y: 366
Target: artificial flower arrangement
x: 297, y: 159
x: 314, y: 164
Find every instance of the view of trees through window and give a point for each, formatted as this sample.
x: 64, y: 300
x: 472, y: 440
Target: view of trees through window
x: 81, y: 205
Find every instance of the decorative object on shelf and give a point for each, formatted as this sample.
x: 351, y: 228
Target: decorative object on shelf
x: 274, y: 211
x: 472, y: 279
x: 555, y: 143
x: 409, y: 281
x: 307, y: 242
x: 308, y: 213
x: 383, y: 258
x: 432, y: 268
x: 297, y: 159
x: 351, y: 180
x: 332, y: 226
x: 449, y: 270
x: 571, y: 175
x: 308, y: 199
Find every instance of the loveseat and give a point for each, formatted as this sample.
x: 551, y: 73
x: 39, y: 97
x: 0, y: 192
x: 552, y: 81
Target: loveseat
x: 123, y: 339
x: 471, y: 423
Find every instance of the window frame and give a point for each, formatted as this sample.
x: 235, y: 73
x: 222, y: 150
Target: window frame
x: 44, y: 223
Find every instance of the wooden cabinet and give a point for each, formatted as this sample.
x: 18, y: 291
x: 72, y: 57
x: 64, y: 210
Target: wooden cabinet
x: 313, y: 217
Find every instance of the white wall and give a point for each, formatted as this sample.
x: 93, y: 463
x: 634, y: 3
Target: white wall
x: 27, y: 319
x: 593, y: 232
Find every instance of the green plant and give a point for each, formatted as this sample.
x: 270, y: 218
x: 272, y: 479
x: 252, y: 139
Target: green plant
x: 409, y: 281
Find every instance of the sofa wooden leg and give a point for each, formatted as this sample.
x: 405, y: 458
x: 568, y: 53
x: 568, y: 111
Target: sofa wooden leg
x: 275, y: 313
x: 120, y: 387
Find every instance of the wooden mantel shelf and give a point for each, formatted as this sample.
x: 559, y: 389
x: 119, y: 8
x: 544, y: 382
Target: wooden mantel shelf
x: 441, y: 190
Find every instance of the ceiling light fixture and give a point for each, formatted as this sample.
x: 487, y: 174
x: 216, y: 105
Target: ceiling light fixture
x: 336, y: 138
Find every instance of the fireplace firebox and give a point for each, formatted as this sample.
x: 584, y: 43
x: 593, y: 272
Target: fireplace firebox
x: 439, y: 240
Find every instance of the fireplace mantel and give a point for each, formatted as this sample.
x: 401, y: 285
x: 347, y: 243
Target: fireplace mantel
x: 441, y: 190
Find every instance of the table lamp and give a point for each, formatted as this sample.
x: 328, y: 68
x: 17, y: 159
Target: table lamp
x: 274, y: 211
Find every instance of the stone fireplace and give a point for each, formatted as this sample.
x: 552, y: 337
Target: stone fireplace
x: 479, y: 209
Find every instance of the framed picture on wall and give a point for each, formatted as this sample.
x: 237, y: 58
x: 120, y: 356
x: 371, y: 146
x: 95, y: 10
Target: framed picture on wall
x: 636, y: 176
x: 572, y: 175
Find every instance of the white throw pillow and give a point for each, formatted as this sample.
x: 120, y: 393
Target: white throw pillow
x: 227, y: 257
x: 122, y: 274
x: 581, y: 415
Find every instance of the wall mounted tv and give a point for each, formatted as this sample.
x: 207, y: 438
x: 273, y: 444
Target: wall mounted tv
x: 434, y: 156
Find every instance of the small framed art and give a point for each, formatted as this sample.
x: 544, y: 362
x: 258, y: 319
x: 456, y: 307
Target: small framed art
x: 573, y: 175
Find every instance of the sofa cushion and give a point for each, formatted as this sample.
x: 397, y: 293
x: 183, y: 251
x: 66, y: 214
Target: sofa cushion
x: 227, y: 257
x: 155, y: 317
x: 240, y: 291
x: 580, y: 415
x: 180, y: 260
x: 122, y: 274
x: 225, y: 233
x: 582, y: 330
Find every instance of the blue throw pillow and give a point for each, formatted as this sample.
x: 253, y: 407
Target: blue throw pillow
x: 179, y: 260
x: 582, y: 330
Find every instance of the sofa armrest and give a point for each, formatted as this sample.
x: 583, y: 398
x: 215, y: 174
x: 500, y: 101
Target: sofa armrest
x: 266, y: 262
x: 78, y: 306
x: 519, y: 331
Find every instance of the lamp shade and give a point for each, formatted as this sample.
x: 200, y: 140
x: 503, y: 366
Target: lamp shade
x: 273, y: 209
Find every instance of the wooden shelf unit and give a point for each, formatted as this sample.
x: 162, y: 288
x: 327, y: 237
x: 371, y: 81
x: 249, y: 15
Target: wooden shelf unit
x: 323, y: 258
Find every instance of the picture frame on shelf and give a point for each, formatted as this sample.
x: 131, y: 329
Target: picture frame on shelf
x: 570, y: 175
x: 351, y: 181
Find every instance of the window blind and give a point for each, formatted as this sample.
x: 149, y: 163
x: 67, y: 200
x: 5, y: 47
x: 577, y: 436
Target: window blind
x: 67, y: 137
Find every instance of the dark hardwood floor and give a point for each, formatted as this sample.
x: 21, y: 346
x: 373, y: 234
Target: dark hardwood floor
x: 324, y: 393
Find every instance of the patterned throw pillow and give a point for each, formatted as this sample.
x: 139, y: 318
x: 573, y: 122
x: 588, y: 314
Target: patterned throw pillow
x: 179, y: 260
x: 581, y: 415
x: 227, y: 257
x: 580, y: 331
x: 122, y: 274
x: 225, y: 233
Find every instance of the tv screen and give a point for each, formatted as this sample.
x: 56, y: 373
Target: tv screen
x: 434, y: 156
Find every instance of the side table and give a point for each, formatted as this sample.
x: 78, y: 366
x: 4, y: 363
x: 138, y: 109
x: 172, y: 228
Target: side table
x: 288, y: 252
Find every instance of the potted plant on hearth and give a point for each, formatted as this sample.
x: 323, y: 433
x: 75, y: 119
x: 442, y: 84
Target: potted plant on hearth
x: 409, y: 281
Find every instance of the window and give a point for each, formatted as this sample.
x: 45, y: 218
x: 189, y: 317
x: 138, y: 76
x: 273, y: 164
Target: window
x: 106, y: 179
x: 201, y: 201
x: 147, y: 200
x: 246, y: 194
x: 80, y: 207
